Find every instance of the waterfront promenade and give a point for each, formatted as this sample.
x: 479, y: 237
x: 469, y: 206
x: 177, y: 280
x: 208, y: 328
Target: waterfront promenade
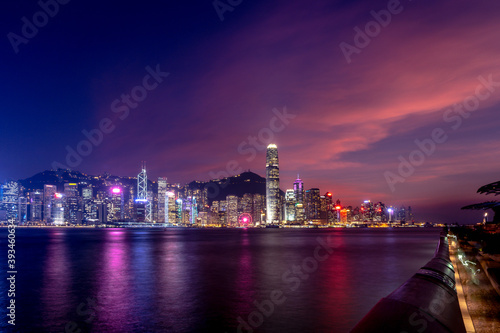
x: 482, y: 300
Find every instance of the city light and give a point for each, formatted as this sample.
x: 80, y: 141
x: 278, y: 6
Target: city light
x: 58, y: 195
x: 116, y: 190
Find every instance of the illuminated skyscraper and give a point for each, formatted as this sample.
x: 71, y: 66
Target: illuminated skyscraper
x: 143, y: 206
x: 298, y: 189
x: 258, y: 208
x: 57, y: 209
x: 73, y: 212
x: 117, y: 205
x: 162, y: 207
x: 49, y: 192
x: 232, y: 210
x: 9, y: 200
x: 170, y: 213
x: 290, y: 206
x: 272, y: 185
x: 36, y: 202
x: 313, y: 204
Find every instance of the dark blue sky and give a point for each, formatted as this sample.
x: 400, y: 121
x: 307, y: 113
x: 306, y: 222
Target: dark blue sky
x: 350, y: 116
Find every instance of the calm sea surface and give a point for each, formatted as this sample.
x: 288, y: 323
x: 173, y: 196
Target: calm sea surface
x: 206, y: 280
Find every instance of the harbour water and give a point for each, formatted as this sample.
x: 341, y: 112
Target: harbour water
x: 206, y: 280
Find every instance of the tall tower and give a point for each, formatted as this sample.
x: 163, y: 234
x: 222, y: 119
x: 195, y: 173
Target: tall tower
x: 272, y: 185
x: 142, y: 184
x: 72, y: 210
x: 142, y: 193
x: 49, y: 193
x: 162, y: 205
x: 298, y: 188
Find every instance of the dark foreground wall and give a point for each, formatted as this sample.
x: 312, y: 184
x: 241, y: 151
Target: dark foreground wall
x: 427, y: 302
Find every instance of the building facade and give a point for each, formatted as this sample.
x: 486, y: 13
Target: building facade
x: 273, y: 207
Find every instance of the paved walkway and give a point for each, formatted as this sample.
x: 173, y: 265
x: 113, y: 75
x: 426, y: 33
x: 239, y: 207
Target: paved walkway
x: 483, y: 302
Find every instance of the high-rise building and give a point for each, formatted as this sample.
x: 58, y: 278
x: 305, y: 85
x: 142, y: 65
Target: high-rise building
x: 367, y: 211
x: 259, y: 205
x: 9, y: 200
x: 313, y: 204
x: 290, y: 205
x: 246, y: 204
x: 72, y: 210
x: 298, y: 189
x: 232, y: 210
x: 22, y: 210
x: 326, y: 206
x: 171, y: 214
x: 116, y: 211
x: 273, y: 211
x: 36, y: 203
x: 143, y: 206
x: 49, y: 192
x: 57, y: 209
x: 90, y: 209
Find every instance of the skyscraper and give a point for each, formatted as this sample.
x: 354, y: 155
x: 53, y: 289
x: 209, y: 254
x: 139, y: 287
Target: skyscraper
x: 313, y: 204
x: 298, y: 189
x: 9, y: 200
x: 143, y: 211
x: 272, y: 185
x: 73, y: 212
x: 232, y: 210
x: 49, y: 192
x: 162, y: 192
x: 290, y: 205
x: 36, y: 202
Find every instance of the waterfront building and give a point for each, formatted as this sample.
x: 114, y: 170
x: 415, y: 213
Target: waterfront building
x: 115, y: 213
x: 290, y: 203
x: 246, y: 204
x: 313, y: 204
x: 36, y: 206
x: 298, y: 189
x: 170, y: 213
x: 232, y: 210
x: 49, y: 192
x: 259, y: 204
x: 9, y: 201
x: 143, y: 206
x: 23, y: 210
x: 273, y: 207
x: 57, y: 209
x: 72, y: 211
x: 326, y: 207
x: 215, y: 206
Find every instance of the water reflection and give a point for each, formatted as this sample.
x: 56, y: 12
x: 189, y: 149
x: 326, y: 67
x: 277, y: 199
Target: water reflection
x: 114, y: 292
x: 57, y: 276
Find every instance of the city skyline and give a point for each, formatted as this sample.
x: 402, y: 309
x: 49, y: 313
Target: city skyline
x: 370, y: 99
x: 144, y: 192
x: 132, y: 200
